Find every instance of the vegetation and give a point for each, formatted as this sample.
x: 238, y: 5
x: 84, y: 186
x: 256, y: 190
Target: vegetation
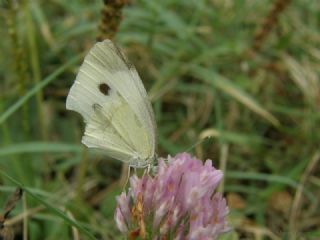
x: 233, y: 81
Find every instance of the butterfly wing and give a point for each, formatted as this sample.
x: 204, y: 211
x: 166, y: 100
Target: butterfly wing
x: 110, y: 96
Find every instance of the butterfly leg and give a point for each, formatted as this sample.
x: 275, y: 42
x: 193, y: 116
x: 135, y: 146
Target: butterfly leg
x: 127, y: 180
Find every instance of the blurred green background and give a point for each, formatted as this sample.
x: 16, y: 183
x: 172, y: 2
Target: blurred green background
x: 233, y: 81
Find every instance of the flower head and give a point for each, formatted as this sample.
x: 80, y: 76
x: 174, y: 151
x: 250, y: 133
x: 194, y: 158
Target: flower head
x: 179, y: 201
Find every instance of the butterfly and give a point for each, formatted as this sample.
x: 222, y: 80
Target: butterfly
x: 111, y: 98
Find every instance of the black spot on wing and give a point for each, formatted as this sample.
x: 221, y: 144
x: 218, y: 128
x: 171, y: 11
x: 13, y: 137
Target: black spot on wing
x: 104, y: 88
x: 97, y: 107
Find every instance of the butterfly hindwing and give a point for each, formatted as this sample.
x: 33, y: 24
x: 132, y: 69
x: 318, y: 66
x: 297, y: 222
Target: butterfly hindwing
x: 115, y: 128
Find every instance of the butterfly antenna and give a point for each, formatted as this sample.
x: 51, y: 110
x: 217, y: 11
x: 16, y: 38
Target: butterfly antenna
x: 198, y: 143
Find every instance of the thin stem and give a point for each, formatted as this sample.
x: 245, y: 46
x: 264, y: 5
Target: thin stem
x: 25, y: 217
x: 82, y: 172
x: 269, y: 23
x: 19, y: 63
x: 35, y: 66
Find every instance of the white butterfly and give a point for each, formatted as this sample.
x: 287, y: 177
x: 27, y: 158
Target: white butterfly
x: 110, y: 96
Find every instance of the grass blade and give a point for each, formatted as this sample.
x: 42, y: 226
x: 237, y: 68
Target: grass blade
x: 51, y: 208
x: 39, y: 147
x: 229, y: 88
x: 12, y: 109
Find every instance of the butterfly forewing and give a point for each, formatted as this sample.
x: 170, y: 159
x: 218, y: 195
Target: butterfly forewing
x: 110, y: 96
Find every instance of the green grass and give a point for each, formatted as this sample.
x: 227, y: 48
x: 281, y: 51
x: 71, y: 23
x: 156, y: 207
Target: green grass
x: 193, y: 57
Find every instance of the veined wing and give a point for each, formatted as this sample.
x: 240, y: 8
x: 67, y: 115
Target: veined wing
x: 106, y: 76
